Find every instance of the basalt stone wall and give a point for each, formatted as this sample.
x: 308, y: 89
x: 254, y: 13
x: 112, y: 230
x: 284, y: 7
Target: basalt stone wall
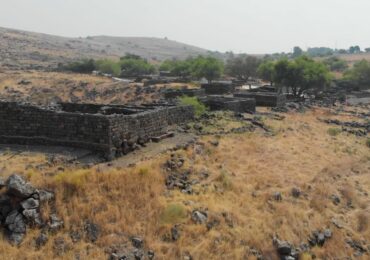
x: 172, y: 94
x: 218, y: 88
x: 25, y: 124
x: 90, y: 129
x: 143, y: 126
x: 240, y: 105
x: 264, y: 98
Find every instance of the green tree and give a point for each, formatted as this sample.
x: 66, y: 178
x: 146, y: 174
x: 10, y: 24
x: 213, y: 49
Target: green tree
x: 367, y: 50
x: 297, y: 51
x: 360, y: 73
x: 108, y: 66
x: 336, y: 64
x: 134, y: 67
x: 266, y: 71
x: 354, y: 49
x: 207, y: 67
x: 301, y: 74
x: 243, y: 67
x: 84, y: 66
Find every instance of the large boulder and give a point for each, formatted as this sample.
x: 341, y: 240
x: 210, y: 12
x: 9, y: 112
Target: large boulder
x: 19, y: 188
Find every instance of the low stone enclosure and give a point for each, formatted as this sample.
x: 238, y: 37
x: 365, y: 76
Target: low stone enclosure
x: 112, y: 130
x: 267, y: 99
x: 175, y: 93
x: 239, y: 105
x: 218, y: 88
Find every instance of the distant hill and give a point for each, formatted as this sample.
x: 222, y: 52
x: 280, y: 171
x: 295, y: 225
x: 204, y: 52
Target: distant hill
x: 22, y: 49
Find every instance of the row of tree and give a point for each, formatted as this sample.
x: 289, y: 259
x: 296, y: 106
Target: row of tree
x: 298, y: 75
x: 325, y: 51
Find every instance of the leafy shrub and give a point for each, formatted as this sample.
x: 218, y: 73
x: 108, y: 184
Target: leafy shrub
x: 173, y: 213
x: 109, y: 67
x: 334, y: 131
x: 199, y: 107
x: 85, y: 66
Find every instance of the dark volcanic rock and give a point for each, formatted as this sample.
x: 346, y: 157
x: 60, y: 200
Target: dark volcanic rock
x: 41, y: 240
x: 92, y: 231
x: 296, y: 192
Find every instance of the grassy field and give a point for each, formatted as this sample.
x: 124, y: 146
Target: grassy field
x: 245, y: 170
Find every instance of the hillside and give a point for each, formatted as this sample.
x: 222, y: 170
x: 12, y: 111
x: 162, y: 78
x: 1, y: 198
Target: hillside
x: 36, y: 50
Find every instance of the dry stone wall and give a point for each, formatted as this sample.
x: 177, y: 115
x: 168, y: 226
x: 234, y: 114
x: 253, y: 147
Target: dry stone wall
x: 100, y: 128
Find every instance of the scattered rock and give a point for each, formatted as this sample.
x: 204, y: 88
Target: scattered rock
x: 55, y: 224
x: 45, y: 195
x: 318, y: 238
x: 199, y: 217
x: 41, y: 240
x: 335, y: 199
x: 296, y: 192
x: 60, y: 246
x: 175, y: 233
x: 92, y: 231
x: 214, y: 143
x: 278, y: 196
x: 137, y: 242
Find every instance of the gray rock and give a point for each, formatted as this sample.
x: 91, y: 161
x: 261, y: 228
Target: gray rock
x: 278, y: 196
x: 284, y: 248
x: 5, y: 207
x: 55, y: 223
x: 327, y: 233
x: 92, y: 231
x: 2, y: 183
x: 18, y: 187
x: 30, y: 203
x: 41, y: 240
x: 175, y: 233
x: 296, y: 192
x: 14, y: 238
x: 137, y: 242
x: 335, y: 199
x: 33, y: 216
x: 199, y: 217
x: 45, y: 195
x: 15, y: 222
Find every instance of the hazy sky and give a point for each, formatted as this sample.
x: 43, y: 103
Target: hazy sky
x: 252, y: 26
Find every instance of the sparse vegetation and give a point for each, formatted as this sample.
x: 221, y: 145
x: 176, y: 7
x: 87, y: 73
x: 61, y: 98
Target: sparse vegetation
x: 173, y: 213
x: 334, y: 131
x: 199, y: 107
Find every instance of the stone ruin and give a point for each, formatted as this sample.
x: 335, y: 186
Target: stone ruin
x: 218, y: 88
x: 175, y: 93
x: 264, y: 99
x: 235, y: 104
x: 111, y: 130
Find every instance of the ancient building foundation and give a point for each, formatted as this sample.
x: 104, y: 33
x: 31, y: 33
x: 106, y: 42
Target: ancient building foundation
x: 109, y: 129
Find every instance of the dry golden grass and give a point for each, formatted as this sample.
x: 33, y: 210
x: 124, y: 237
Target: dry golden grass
x: 245, y: 170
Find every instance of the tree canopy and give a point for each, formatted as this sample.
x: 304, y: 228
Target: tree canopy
x: 243, y: 67
x: 299, y: 75
x: 133, y: 66
x: 360, y: 73
x: 200, y: 67
x: 207, y: 67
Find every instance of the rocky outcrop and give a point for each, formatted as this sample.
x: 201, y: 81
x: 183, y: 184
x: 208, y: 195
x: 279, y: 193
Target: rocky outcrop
x: 20, y: 207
